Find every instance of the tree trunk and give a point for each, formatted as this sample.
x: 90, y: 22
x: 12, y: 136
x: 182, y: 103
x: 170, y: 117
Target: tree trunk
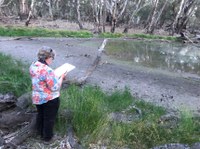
x: 151, y: 26
x: 160, y: 13
x: 101, y: 19
x: 174, y: 25
x: 95, y: 15
x: 98, y: 14
x: 2, y: 5
x: 24, y: 6
x: 30, y: 15
x: 50, y: 9
x: 113, y: 21
x: 23, y: 9
x: 137, y: 8
x: 78, y: 14
x: 1, y: 2
x: 187, y: 12
x: 104, y: 18
x: 116, y: 9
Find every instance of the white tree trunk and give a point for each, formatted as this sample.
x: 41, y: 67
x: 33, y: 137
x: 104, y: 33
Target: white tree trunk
x: 78, y: 14
x: 177, y: 16
x: 23, y: 6
x: 95, y: 9
x: 116, y: 8
x: 50, y: 9
x: 1, y: 2
x: 153, y: 18
x: 4, y: 5
x: 30, y: 15
x: 98, y: 6
x: 124, y: 4
x: 135, y: 10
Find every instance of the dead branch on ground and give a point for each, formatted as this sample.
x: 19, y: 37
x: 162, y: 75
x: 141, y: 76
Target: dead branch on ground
x: 82, y: 80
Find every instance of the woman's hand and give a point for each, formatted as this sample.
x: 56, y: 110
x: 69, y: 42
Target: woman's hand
x: 63, y: 76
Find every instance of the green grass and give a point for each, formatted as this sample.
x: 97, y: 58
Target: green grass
x: 148, y: 36
x: 145, y: 36
x: 12, y: 31
x: 111, y: 35
x: 40, y: 32
x: 91, y: 108
x: 14, y: 77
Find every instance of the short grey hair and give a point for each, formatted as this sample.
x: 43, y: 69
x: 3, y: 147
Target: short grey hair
x: 45, y: 52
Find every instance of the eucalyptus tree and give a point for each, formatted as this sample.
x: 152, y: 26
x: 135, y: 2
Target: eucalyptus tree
x: 132, y: 13
x: 9, y: 7
x: 196, y: 21
x: 30, y: 14
x: 116, y: 8
x: 49, y: 4
x: 154, y: 17
x: 23, y: 7
x: 78, y: 14
x: 186, y: 9
x: 99, y: 15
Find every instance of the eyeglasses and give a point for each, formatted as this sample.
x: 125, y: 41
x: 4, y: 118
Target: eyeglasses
x: 52, y: 53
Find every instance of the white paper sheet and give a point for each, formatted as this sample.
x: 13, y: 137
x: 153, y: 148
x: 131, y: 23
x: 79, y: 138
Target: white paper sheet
x: 65, y: 68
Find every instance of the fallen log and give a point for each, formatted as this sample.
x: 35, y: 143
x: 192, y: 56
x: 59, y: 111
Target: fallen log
x: 7, y: 101
x: 22, y: 134
x: 16, y: 119
x: 89, y: 71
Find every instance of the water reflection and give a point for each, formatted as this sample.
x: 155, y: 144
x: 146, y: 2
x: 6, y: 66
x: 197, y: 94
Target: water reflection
x: 171, y: 56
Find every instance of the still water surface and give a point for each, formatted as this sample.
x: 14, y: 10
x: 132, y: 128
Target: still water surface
x: 169, y: 56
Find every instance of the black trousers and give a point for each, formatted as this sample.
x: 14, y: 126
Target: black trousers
x: 46, y: 118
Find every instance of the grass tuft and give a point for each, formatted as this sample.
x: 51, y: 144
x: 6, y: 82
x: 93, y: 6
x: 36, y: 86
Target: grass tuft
x: 14, y: 76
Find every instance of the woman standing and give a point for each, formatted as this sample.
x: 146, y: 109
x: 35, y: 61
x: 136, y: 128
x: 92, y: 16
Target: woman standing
x: 45, y: 92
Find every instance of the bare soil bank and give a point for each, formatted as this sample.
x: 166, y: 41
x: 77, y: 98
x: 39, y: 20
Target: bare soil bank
x: 171, y: 90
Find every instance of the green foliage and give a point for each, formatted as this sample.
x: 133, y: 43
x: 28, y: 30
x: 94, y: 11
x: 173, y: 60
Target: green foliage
x: 110, y: 35
x: 40, y: 32
x: 14, y: 76
x: 118, y: 100
x: 188, y: 128
x: 149, y: 112
x: 61, y: 124
x: 90, y: 106
x: 148, y: 36
x: 86, y: 107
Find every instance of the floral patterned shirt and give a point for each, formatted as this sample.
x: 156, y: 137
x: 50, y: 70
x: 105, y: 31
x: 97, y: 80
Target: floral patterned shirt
x: 45, y: 85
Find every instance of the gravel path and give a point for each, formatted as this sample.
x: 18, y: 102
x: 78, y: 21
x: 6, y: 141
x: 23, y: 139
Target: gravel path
x: 173, y: 91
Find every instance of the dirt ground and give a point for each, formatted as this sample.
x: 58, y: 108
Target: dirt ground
x: 171, y: 90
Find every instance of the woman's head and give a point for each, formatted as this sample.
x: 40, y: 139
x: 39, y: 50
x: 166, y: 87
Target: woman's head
x: 45, y: 53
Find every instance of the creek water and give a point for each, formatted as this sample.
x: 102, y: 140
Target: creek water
x: 170, y: 56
